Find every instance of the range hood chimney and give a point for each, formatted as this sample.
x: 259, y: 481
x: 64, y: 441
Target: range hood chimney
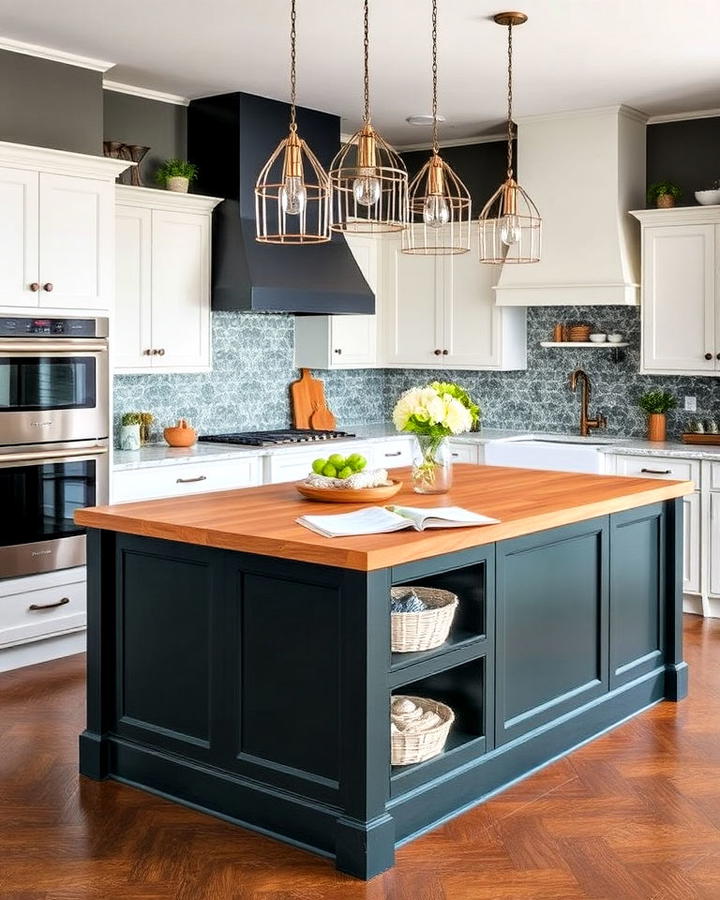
x: 229, y: 138
x: 585, y: 170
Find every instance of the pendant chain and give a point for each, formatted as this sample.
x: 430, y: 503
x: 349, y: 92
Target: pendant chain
x: 293, y: 124
x: 434, y: 78
x: 509, y: 106
x: 366, y: 60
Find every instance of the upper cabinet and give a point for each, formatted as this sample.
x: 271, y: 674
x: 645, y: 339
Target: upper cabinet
x: 56, y: 229
x: 162, y: 307
x: 680, y: 291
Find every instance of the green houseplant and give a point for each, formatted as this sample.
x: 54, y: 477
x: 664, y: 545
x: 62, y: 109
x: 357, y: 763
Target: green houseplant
x: 663, y: 194
x: 657, y: 404
x: 176, y: 175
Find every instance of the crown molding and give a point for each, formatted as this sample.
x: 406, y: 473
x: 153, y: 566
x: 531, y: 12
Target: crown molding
x: 146, y: 93
x: 61, y: 56
x: 61, y: 162
x: 458, y: 142
x: 685, y: 215
x: 597, y: 111
x: 156, y: 198
x: 685, y: 116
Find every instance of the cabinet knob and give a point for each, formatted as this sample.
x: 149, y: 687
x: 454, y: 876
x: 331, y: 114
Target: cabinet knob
x: 445, y: 352
x: 48, y: 286
x: 161, y: 352
x: 34, y: 287
x: 708, y: 356
x: 338, y: 351
x: 153, y: 353
x: 147, y: 352
x: 717, y: 356
x: 437, y: 352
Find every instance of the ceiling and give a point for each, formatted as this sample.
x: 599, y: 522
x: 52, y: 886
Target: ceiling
x: 660, y: 56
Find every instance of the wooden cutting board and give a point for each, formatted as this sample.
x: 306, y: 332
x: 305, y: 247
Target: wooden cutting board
x: 309, y: 407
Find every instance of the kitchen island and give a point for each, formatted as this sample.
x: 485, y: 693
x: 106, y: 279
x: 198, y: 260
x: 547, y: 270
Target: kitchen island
x: 241, y: 664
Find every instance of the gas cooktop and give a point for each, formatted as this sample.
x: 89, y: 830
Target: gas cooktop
x: 272, y: 438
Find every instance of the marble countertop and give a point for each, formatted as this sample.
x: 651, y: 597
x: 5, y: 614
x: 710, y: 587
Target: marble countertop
x: 161, y: 454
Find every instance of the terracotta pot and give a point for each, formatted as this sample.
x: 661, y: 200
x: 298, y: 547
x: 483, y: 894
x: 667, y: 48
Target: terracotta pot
x: 178, y: 184
x: 657, y: 426
x: 180, y: 435
x: 665, y: 201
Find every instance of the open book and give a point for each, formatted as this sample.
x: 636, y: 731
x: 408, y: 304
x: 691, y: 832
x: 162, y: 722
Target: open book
x: 384, y: 519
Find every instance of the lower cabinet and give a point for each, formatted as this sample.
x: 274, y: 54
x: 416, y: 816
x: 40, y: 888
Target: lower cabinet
x: 714, y: 543
x: 41, y: 606
x: 294, y: 465
x: 178, y: 480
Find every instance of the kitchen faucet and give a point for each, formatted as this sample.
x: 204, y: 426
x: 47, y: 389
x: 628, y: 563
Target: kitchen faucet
x: 586, y: 423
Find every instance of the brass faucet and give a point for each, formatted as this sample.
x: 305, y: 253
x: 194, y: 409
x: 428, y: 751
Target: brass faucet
x: 586, y: 423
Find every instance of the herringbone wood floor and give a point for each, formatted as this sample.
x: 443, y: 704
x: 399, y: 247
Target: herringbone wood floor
x: 636, y: 814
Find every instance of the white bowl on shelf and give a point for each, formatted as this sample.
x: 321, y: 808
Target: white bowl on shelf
x: 598, y: 337
x: 615, y: 338
x: 707, y: 198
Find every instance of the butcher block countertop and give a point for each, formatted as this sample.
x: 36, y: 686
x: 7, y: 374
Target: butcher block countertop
x: 262, y: 520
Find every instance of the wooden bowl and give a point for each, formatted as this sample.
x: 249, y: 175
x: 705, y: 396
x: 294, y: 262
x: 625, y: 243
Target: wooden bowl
x: 347, y: 495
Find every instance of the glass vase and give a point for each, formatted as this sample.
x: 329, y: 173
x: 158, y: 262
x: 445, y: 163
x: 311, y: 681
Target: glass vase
x: 432, y: 465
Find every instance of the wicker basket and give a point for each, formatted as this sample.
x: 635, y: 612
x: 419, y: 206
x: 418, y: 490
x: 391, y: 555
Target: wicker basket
x: 408, y: 747
x: 412, y: 631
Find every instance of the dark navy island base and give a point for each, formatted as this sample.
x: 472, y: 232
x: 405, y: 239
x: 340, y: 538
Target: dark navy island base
x: 257, y: 689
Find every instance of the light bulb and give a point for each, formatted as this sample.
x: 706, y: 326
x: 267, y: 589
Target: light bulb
x: 510, y: 230
x: 366, y: 190
x: 436, y: 211
x: 293, y: 195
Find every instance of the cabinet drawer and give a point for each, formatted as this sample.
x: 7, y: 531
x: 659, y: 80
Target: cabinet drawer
x: 464, y: 453
x: 393, y: 453
x: 714, y: 479
x: 294, y: 465
x: 185, y: 478
x: 30, y: 615
x: 659, y: 467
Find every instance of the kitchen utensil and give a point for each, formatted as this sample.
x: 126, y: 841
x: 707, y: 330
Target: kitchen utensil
x: 308, y: 396
x: 180, y: 435
x: 322, y: 419
x: 347, y: 495
x: 691, y: 438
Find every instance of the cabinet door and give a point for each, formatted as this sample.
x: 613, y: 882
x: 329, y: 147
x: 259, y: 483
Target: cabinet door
x: 180, y: 291
x: 472, y: 322
x: 352, y: 340
x: 691, y: 543
x: 131, y: 346
x: 18, y: 237
x: 714, y: 544
x: 412, y: 308
x: 679, y: 298
x: 76, y: 242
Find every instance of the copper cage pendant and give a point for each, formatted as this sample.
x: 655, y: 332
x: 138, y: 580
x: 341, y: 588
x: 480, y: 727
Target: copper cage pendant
x: 292, y: 192
x: 510, y: 226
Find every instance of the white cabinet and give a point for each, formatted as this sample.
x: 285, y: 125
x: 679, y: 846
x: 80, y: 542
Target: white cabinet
x: 343, y: 342
x: 56, y: 229
x: 680, y: 291
x: 714, y: 543
x: 295, y: 464
x: 692, y: 543
x: 41, y: 606
x: 183, y: 479
x: 162, y: 311
x: 392, y: 453
x: 462, y: 452
x: 440, y: 312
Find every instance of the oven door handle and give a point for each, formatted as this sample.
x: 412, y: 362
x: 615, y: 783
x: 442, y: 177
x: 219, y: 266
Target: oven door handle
x: 23, y: 347
x: 49, y: 456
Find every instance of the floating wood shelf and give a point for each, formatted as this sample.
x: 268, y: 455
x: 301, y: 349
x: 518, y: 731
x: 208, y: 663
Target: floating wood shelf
x: 605, y: 345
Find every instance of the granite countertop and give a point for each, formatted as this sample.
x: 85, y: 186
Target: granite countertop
x: 161, y: 454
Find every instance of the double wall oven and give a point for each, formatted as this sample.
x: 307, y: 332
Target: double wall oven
x: 54, y: 426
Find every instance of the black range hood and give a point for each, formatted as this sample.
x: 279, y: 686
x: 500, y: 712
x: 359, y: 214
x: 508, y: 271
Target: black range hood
x: 230, y: 138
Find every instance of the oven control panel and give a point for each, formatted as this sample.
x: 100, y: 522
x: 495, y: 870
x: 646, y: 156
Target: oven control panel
x: 21, y: 326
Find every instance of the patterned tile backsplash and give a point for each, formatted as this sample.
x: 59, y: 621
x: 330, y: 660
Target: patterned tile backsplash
x: 253, y: 366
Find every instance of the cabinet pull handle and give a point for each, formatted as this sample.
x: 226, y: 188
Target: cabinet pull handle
x: 445, y: 352
x: 456, y: 454
x: 437, y: 352
x: 338, y: 351
x: 708, y: 356
x: 34, y: 287
x: 153, y: 353
x: 61, y: 602
x: 657, y: 471
x: 161, y: 352
x: 48, y: 286
x: 397, y: 453
x: 190, y: 480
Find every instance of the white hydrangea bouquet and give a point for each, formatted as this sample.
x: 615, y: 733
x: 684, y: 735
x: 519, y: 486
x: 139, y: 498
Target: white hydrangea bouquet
x: 433, y: 413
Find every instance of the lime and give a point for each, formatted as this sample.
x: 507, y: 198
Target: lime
x: 318, y: 465
x: 337, y: 460
x: 329, y: 470
x: 345, y: 473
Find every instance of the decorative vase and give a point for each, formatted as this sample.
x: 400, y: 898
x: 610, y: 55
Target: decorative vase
x: 432, y: 465
x: 130, y: 437
x: 178, y: 184
x: 657, y: 426
x: 665, y: 201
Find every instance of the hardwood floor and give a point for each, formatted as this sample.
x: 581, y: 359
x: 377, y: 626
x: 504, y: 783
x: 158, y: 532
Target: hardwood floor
x: 635, y: 814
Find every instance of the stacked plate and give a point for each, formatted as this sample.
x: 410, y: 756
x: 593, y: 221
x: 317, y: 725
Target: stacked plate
x: 579, y: 333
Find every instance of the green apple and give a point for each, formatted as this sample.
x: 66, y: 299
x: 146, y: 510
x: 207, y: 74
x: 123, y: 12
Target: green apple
x: 318, y: 466
x: 345, y: 472
x: 329, y: 470
x: 359, y: 462
x: 337, y: 461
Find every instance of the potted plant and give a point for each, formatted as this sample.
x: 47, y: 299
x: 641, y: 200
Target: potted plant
x: 130, y: 431
x: 657, y: 404
x: 176, y: 175
x: 432, y: 413
x: 663, y: 194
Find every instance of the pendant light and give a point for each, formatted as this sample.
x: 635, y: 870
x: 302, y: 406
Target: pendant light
x: 292, y: 193
x: 440, y: 204
x: 510, y: 224
x: 369, y: 179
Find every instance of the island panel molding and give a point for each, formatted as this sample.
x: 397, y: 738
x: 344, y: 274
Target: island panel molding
x: 262, y: 520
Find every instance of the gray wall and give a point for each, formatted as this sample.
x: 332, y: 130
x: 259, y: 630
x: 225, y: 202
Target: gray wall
x: 49, y: 104
x: 135, y: 120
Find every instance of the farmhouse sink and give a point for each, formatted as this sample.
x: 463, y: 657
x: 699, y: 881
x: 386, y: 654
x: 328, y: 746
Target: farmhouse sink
x: 548, y: 453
